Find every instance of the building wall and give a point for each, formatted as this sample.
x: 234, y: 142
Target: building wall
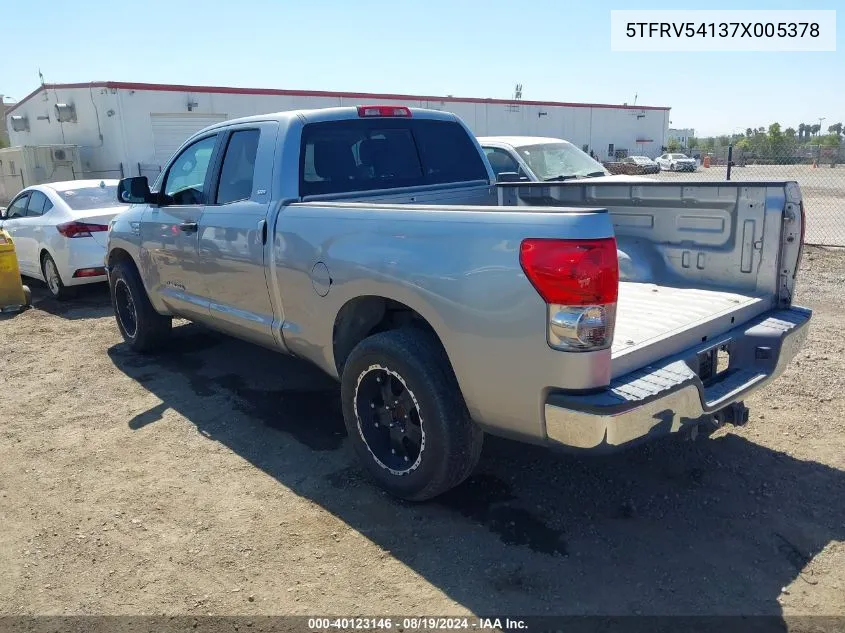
x: 114, y: 125
x: 682, y: 135
x: 4, y: 135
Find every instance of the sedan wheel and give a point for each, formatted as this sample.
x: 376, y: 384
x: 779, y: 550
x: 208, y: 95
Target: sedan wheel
x: 53, y: 279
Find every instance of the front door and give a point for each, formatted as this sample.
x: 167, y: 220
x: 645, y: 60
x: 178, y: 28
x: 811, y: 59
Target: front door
x: 233, y: 233
x: 170, y: 231
x: 17, y: 226
x: 33, y: 233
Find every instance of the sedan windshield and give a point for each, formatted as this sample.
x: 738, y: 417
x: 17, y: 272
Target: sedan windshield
x: 560, y: 161
x: 86, y: 198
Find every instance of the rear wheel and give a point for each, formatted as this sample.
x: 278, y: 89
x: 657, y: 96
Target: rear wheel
x: 53, y: 279
x: 143, y: 329
x: 405, y: 415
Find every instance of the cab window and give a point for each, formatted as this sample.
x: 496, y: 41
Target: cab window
x: 185, y: 180
x: 238, y: 171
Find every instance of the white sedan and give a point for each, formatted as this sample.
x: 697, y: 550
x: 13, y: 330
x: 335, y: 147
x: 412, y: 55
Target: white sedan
x: 542, y: 159
x: 60, y: 231
x: 676, y: 162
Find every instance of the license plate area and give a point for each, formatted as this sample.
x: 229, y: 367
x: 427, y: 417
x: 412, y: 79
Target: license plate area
x: 714, y: 363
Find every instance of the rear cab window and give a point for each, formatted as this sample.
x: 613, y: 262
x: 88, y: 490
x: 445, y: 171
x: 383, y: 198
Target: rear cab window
x: 385, y: 153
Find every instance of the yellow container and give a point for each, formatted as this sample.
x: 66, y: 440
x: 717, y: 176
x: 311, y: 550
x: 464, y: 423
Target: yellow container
x: 13, y: 294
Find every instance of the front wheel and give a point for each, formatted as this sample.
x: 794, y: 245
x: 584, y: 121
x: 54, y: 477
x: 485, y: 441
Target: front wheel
x: 405, y: 415
x: 143, y: 329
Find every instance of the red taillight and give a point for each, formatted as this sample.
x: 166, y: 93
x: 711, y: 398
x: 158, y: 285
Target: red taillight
x: 572, y: 272
x: 80, y: 229
x: 90, y: 272
x: 383, y: 110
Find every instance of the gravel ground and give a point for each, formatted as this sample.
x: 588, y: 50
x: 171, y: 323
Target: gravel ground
x: 216, y: 478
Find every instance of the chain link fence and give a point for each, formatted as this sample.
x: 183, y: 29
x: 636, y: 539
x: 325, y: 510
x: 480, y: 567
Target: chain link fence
x: 94, y: 174
x: 820, y: 172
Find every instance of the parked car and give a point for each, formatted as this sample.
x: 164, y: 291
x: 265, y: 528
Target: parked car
x: 640, y: 165
x: 676, y: 162
x: 61, y: 230
x: 541, y: 159
x: 561, y: 313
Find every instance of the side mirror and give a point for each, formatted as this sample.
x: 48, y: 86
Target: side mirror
x: 135, y: 190
x: 508, y: 176
x: 2, y: 213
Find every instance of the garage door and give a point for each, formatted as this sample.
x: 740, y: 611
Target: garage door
x: 171, y: 130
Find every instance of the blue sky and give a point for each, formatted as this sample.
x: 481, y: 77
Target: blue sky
x: 558, y: 50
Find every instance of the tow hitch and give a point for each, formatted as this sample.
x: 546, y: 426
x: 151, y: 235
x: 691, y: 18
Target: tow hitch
x: 736, y: 414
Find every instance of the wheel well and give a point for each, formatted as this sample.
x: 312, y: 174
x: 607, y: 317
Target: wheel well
x: 118, y: 255
x: 365, y: 316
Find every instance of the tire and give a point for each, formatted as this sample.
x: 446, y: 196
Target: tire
x: 438, y: 444
x: 143, y: 329
x: 53, y: 279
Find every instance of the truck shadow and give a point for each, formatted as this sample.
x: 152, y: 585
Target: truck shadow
x: 713, y: 527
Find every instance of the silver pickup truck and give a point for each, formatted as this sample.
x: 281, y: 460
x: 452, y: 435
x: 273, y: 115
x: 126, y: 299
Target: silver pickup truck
x: 374, y: 242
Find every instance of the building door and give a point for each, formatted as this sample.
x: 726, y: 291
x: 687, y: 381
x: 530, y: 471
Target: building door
x: 171, y: 130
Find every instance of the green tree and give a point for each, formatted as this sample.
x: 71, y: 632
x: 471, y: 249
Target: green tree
x: 814, y: 129
x: 789, y: 133
x: 3, y: 143
x: 748, y: 132
x: 673, y: 145
x: 693, y: 142
x: 836, y: 128
x: 829, y: 140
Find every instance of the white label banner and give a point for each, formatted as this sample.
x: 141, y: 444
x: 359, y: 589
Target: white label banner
x: 722, y: 30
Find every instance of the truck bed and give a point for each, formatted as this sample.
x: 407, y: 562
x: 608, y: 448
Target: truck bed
x: 653, y: 320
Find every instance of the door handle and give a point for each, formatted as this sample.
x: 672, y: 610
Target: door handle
x: 188, y: 227
x: 263, y: 225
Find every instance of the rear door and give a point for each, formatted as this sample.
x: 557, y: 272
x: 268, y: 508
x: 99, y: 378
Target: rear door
x: 233, y: 232
x: 170, y: 231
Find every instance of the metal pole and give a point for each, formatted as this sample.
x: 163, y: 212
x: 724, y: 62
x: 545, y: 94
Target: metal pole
x: 121, y: 170
x: 139, y: 170
x: 730, y: 161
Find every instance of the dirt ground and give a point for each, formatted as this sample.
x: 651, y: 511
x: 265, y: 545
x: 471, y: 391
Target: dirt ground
x: 216, y: 478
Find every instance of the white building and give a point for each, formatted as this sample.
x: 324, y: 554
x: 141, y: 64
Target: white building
x: 136, y: 127
x: 682, y: 135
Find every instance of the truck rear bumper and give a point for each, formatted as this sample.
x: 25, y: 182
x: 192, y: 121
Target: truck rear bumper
x: 679, y: 391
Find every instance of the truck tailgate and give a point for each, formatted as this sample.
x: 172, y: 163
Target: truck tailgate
x: 654, y: 321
